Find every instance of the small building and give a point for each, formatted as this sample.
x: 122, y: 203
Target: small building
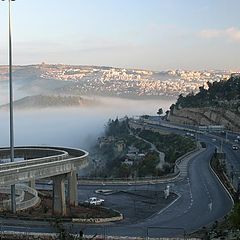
x: 128, y: 162
x: 103, y: 141
x: 120, y: 146
x: 133, y: 150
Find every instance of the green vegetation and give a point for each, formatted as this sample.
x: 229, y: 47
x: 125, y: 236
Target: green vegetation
x: 160, y: 111
x: 234, y: 217
x: 219, y: 94
x: 127, y: 154
x: 131, y: 140
x: 173, y: 145
x: 117, y: 128
x: 148, y: 165
x: 145, y: 167
x: 117, y: 131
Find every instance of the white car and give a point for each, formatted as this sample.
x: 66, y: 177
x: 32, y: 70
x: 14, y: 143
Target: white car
x: 95, y: 201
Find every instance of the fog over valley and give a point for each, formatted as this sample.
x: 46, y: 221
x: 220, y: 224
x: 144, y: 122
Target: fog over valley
x: 40, y: 119
x: 72, y: 127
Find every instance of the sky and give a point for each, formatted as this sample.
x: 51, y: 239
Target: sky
x: 145, y: 34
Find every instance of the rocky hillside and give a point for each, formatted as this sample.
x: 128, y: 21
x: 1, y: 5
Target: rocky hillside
x: 219, y: 104
x: 206, y: 116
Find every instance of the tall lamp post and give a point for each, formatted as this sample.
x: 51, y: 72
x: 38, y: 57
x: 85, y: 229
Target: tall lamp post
x: 13, y: 194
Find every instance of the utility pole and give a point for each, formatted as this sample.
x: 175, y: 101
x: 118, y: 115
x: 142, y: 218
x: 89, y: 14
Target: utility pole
x: 13, y: 191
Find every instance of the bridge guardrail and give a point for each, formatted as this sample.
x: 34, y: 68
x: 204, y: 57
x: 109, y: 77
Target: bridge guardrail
x: 31, y: 202
x: 5, y: 204
x: 44, y: 169
x: 34, y: 161
x: 20, y: 203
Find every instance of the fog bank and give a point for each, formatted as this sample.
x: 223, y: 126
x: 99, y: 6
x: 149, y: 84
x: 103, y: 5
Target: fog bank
x: 72, y: 127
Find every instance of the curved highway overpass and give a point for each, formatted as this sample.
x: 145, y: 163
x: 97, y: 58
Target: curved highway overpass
x: 57, y: 163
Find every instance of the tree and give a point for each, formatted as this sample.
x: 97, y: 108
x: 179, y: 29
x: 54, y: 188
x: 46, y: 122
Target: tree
x: 160, y: 111
x: 235, y: 216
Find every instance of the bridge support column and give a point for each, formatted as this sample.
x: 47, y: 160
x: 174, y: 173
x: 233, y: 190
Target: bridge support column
x: 72, y: 189
x: 31, y: 183
x: 59, y: 200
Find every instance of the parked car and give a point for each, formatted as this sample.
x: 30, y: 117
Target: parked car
x: 234, y: 147
x: 94, y: 201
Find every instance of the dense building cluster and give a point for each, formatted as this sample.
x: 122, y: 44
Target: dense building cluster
x: 119, y: 81
x: 127, y: 82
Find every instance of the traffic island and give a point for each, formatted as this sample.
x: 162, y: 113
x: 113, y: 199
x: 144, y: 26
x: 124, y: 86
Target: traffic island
x: 82, y: 213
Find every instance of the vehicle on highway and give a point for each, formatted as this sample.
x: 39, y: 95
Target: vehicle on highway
x: 234, y: 147
x: 214, y: 140
x: 94, y: 201
x: 189, y: 134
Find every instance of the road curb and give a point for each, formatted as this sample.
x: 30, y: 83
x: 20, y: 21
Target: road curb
x: 149, y: 181
x: 219, y: 180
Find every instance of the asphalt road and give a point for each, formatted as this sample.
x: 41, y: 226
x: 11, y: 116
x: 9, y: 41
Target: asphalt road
x: 202, y: 201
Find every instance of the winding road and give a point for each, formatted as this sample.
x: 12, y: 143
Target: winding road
x: 202, y: 200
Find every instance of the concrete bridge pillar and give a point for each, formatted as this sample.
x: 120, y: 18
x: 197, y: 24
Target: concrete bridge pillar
x: 31, y: 183
x: 72, y: 189
x: 59, y: 200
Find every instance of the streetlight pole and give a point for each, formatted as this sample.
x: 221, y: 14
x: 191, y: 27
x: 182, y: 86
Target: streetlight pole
x: 13, y: 191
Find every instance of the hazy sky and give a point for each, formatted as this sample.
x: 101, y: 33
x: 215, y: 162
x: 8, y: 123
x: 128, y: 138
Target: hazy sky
x: 153, y: 34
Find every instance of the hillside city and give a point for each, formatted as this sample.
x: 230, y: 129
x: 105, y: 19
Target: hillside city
x: 120, y: 120
x: 118, y: 81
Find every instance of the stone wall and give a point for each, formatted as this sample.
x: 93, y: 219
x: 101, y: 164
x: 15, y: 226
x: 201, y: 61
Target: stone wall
x: 49, y: 236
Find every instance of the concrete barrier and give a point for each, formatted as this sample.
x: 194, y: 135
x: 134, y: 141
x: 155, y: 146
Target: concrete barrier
x: 55, y: 162
x: 20, y: 203
x: 98, y: 220
x: 48, y: 167
x: 5, y: 204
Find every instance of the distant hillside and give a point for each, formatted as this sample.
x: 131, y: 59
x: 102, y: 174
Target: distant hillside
x: 225, y: 94
x: 107, y: 81
x: 217, y: 105
x: 41, y: 101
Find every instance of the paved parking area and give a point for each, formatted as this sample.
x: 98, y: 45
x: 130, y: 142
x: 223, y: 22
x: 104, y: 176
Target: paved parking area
x: 134, y: 203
